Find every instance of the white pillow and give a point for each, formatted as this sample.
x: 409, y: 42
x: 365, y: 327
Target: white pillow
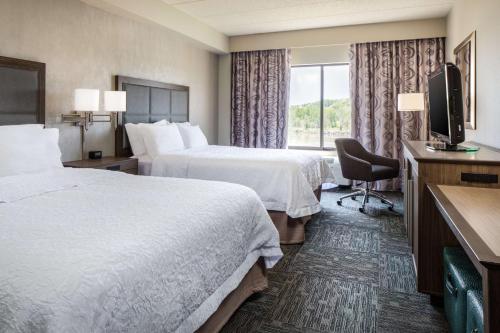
x: 160, y: 140
x: 20, y: 133
x: 22, y: 127
x: 135, y: 139
x: 35, y: 151
x: 135, y: 136
x: 50, y: 137
x: 192, y: 135
x: 20, y: 158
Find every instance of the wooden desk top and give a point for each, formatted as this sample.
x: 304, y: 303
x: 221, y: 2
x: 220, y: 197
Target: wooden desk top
x: 473, y: 214
x: 485, y: 155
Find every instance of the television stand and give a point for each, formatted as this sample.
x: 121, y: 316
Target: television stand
x: 446, y: 146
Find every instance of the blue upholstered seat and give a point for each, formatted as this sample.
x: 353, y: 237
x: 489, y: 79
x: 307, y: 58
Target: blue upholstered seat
x: 460, y: 276
x: 475, y: 318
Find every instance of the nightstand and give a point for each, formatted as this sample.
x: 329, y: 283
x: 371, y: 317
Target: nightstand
x: 123, y: 164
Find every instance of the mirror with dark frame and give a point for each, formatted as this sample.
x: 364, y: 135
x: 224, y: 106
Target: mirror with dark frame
x: 465, y: 59
x: 22, y: 91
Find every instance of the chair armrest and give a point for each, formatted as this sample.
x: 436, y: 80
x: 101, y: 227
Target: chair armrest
x: 382, y: 160
x: 355, y: 168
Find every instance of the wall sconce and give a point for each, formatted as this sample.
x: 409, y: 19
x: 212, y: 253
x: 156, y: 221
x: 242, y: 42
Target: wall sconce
x: 86, y: 102
x: 115, y: 102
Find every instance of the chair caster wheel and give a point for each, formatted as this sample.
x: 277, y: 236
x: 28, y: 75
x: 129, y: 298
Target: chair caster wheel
x: 362, y: 210
x: 391, y: 208
x: 353, y: 198
x: 339, y: 202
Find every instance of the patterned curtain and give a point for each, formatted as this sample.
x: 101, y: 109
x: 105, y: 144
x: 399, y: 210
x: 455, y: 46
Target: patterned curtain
x: 378, y: 73
x: 259, y: 98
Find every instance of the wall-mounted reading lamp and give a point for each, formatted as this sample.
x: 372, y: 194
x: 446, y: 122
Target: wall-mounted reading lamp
x: 86, y: 102
x: 115, y: 102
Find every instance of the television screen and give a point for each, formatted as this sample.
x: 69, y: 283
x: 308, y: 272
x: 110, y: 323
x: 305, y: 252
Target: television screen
x: 438, y: 108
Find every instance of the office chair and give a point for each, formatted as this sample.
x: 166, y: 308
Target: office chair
x: 359, y: 164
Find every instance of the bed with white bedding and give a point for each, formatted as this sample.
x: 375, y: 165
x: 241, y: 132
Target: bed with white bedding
x: 145, y: 164
x: 157, y: 132
x: 285, y: 180
x: 90, y: 250
x: 288, y: 182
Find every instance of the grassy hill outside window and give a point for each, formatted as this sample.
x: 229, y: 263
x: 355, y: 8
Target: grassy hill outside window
x: 320, y: 107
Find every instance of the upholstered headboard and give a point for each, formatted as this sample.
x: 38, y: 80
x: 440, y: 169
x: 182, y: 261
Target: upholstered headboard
x: 22, y: 92
x: 147, y: 102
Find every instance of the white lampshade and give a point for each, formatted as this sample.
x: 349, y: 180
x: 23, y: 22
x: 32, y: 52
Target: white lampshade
x: 411, y: 102
x: 86, y: 100
x: 115, y: 101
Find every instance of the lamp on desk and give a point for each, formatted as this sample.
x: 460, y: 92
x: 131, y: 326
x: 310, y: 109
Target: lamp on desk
x: 411, y: 102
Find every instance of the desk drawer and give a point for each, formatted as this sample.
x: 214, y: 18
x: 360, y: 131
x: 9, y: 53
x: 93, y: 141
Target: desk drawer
x: 122, y: 166
x: 128, y: 164
x: 114, y: 167
x: 484, y: 178
x: 131, y: 171
x: 461, y: 174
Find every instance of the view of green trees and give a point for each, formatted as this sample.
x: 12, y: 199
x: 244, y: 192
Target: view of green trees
x: 304, y: 122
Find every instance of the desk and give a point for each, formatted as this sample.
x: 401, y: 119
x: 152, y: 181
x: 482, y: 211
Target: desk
x: 422, y: 167
x: 472, y: 215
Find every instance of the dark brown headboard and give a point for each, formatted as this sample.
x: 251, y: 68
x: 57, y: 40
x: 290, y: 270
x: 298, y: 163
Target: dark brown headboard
x: 22, y: 92
x: 148, y: 102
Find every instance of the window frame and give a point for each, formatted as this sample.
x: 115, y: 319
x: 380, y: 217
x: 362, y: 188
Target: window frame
x: 321, y: 106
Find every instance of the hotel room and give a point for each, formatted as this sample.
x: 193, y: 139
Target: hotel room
x: 249, y: 166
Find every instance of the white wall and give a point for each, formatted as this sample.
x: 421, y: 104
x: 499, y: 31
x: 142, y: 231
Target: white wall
x: 482, y: 16
x: 164, y: 14
x: 224, y: 104
x: 84, y: 47
x: 340, y: 35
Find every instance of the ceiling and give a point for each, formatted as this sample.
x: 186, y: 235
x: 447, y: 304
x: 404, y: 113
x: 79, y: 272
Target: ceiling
x: 242, y: 17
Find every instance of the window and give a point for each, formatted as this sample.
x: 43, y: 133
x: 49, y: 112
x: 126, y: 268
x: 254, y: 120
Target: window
x: 320, y: 108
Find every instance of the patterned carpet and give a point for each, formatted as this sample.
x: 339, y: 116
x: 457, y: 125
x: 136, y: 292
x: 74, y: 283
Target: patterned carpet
x: 354, y: 273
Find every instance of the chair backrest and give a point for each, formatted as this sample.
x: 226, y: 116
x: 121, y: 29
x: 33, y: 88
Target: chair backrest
x: 347, y: 147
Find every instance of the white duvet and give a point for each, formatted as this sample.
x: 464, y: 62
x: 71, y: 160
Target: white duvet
x: 283, y: 179
x: 94, y: 251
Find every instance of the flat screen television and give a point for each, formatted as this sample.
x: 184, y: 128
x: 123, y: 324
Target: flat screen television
x: 446, y: 108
